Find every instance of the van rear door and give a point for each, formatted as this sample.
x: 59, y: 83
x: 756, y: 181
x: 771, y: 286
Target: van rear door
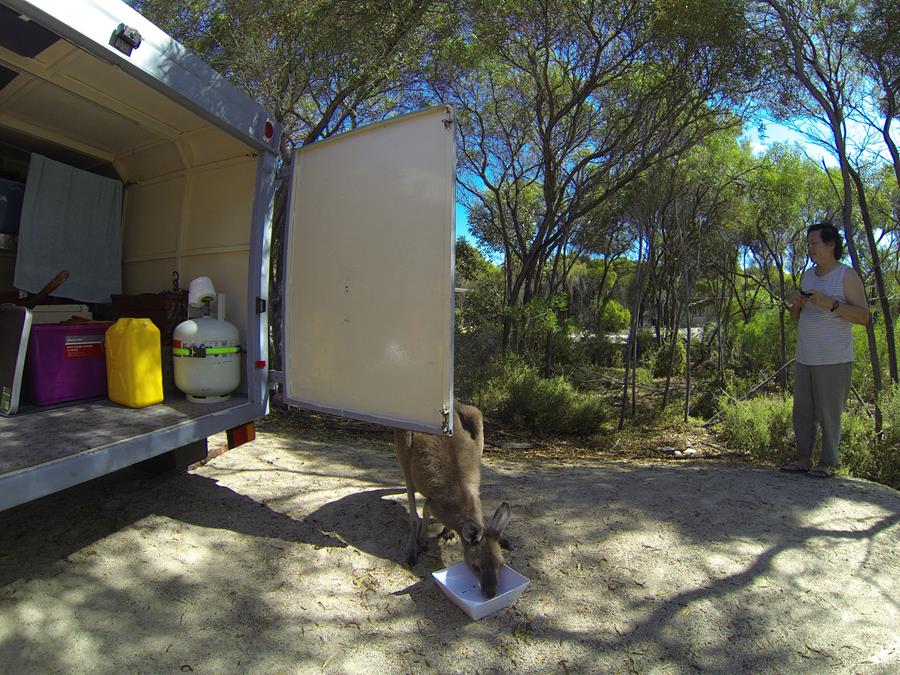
x: 369, y: 278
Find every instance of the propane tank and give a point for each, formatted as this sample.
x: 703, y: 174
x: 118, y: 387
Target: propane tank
x: 206, y: 352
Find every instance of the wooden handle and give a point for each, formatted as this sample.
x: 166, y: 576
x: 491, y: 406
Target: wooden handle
x: 44, y: 293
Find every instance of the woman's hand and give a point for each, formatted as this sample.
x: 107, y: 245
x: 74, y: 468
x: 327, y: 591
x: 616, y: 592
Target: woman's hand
x: 797, y: 305
x: 821, y: 300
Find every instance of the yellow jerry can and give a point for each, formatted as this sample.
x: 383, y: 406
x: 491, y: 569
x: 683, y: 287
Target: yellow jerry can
x: 134, y: 363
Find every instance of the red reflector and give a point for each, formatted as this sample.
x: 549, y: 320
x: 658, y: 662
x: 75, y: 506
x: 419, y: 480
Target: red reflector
x: 240, y: 435
x: 270, y: 130
x: 260, y: 364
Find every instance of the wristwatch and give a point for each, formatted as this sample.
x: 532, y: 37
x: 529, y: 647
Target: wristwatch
x: 835, y: 305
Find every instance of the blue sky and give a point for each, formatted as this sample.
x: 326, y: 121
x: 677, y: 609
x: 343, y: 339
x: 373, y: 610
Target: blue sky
x: 774, y: 133
x: 778, y: 133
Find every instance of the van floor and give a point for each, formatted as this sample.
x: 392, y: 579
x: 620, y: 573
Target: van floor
x: 31, y: 439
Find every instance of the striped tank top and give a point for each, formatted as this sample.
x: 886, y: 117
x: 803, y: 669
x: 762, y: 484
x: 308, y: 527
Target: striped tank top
x: 824, y: 337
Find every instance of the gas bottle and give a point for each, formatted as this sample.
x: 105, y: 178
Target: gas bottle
x: 206, y: 358
x: 133, y: 363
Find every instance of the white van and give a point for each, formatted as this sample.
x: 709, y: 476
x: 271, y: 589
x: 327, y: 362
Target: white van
x: 368, y: 280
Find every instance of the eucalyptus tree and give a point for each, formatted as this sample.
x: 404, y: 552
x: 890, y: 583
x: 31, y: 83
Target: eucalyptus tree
x: 319, y: 67
x: 878, y: 50
x: 710, y: 186
x: 812, y: 43
x: 608, y: 239
x: 777, y: 191
x: 571, y: 100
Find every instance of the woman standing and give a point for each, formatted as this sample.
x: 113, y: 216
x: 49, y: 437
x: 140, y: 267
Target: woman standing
x: 831, y: 298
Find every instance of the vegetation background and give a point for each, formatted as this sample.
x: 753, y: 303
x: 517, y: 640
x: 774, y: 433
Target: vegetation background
x: 631, y: 259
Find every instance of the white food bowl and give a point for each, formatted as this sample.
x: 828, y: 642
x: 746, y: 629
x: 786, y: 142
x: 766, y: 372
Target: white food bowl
x: 463, y: 588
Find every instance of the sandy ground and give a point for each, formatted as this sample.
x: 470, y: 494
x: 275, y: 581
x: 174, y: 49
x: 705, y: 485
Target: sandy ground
x: 285, y: 556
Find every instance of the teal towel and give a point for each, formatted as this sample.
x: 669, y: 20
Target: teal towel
x: 71, y: 220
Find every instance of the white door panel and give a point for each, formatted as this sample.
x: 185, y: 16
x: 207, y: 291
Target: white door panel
x: 369, y: 283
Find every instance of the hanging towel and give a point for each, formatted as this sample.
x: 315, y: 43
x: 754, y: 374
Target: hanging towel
x: 71, y: 220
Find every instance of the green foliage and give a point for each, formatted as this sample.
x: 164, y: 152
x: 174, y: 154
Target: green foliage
x: 646, y: 345
x: 763, y: 426
x: 552, y: 406
x: 470, y: 264
x: 663, y: 356
x: 862, y: 362
x: 568, y: 353
x: 862, y: 454
x: 601, y: 351
x: 479, y: 316
x: 513, y: 389
x: 759, y: 425
x: 887, y: 460
x: 613, y: 318
x: 857, y: 449
x: 488, y: 386
x: 756, y: 343
x: 642, y: 376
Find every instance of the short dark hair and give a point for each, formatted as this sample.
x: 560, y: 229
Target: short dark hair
x: 829, y: 233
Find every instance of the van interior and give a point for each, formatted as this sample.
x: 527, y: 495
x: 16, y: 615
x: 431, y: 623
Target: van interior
x: 187, y: 191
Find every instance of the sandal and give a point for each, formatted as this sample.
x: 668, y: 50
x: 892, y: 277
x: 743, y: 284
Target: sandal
x: 821, y: 471
x: 796, y: 467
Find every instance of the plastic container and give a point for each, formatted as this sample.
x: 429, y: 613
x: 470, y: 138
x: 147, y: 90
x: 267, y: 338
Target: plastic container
x: 134, y: 363
x: 11, y: 195
x: 462, y: 587
x: 58, y: 313
x: 65, y: 362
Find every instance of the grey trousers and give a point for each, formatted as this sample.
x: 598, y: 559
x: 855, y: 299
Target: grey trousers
x: 820, y: 393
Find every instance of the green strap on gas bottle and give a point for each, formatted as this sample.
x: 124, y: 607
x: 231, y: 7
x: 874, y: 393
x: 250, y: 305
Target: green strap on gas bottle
x: 200, y: 352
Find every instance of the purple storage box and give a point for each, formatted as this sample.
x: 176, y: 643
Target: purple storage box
x: 65, y: 362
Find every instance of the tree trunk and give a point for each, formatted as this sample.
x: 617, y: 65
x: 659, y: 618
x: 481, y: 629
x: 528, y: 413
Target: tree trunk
x: 847, y: 212
x: 687, y: 358
x: 879, y: 275
x: 631, y: 344
x: 782, y: 379
x: 665, y: 400
x: 877, y: 383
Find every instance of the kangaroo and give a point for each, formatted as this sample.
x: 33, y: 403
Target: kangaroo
x: 447, y: 471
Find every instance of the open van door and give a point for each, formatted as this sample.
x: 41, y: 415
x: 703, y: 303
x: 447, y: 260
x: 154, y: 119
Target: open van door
x: 369, y: 282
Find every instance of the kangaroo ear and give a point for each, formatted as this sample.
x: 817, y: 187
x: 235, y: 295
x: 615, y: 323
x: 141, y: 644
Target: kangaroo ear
x: 500, y: 519
x: 471, y: 532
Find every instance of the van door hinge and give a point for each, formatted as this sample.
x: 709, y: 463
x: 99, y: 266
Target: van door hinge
x: 445, y: 420
x: 260, y: 305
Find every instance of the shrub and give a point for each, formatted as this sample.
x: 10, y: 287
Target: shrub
x: 719, y: 391
x: 756, y: 342
x: 887, y: 460
x: 759, y: 425
x: 663, y: 355
x: 865, y: 456
x: 762, y: 426
x: 862, y: 362
x: 601, y: 351
x: 613, y: 318
x: 646, y: 344
x: 857, y: 447
x: 490, y: 386
x: 479, y: 314
x: 568, y: 352
x: 552, y: 406
x: 643, y: 377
